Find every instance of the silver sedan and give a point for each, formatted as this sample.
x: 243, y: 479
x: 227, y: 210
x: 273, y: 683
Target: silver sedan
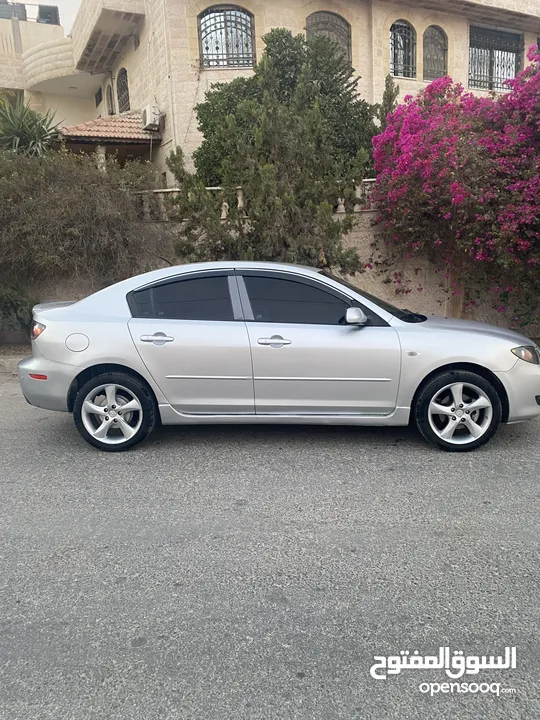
x: 239, y: 342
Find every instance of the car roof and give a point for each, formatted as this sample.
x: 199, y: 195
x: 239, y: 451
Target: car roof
x: 114, y: 295
x: 245, y: 264
x: 139, y: 281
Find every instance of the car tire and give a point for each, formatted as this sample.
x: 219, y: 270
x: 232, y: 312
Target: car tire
x: 113, y: 429
x: 459, y: 426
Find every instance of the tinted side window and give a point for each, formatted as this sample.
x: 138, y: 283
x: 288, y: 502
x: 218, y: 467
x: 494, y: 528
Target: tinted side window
x: 287, y: 301
x: 140, y: 303
x: 203, y: 298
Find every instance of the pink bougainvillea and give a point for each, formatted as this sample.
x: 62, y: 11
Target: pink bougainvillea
x: 458, y: 179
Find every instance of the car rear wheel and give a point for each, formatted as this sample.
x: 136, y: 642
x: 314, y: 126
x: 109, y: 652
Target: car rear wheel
x: 458, y: 411
x: 114, y: 411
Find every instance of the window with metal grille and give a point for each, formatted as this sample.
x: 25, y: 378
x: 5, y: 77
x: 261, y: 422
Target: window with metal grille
x: 494, y: 56
x: 226, y: 37
x: 403, y: 49
x: 110, y: 100
x: 333, y: 27
x: 122, y: 91
x: 99, y: 97
x: 435, y: 53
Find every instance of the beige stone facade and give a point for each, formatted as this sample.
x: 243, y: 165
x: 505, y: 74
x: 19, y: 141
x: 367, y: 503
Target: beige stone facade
x: 158, y: 43
x: 17, y: 36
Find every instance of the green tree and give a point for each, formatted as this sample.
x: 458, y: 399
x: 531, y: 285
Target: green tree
x: 348, y: 120
x: 284, y: 147
x: 26, y: 131
x: 389, y: 101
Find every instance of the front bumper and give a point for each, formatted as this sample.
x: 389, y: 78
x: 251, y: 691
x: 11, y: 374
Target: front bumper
x: 522, y: 385
x: 50, y: 394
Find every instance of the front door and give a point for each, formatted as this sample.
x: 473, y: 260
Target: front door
x: 306, y: 360
x: 191, y: 336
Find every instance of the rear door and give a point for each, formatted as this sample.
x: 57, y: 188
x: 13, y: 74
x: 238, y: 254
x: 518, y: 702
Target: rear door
x: 190, y: 334
x: 306, y: 360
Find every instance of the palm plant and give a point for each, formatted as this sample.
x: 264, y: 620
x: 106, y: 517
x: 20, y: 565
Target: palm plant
x: 26, y: 131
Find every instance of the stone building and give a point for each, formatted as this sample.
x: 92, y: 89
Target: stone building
x: 135, y: 64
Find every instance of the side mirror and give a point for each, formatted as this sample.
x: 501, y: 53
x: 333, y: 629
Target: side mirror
x: 355, y: 316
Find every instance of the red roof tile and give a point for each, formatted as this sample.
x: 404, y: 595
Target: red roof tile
x: 112, y: 128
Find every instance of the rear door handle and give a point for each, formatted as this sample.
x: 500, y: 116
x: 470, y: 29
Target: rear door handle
x: 276, y: 341
x: 158, y: 338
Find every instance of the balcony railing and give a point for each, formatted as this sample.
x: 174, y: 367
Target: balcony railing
x: 155, y: 204
x: 29, y: 12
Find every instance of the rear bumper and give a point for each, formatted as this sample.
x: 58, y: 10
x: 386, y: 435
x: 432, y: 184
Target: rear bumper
x: 52, y: 393
x: 522, y: 384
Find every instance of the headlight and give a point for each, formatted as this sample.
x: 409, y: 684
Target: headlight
x: 527, y: 353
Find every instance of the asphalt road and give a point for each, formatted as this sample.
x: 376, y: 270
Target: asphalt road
x: 247, y: 573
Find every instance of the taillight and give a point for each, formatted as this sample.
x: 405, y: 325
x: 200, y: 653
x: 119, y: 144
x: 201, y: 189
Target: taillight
x: 36, y: 330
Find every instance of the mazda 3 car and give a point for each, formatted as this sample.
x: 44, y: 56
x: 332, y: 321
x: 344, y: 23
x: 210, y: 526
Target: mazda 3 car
x: 248, y: 342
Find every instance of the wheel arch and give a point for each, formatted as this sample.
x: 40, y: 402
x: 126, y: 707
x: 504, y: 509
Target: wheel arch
x: 469, y: 367
x: 94, y: 371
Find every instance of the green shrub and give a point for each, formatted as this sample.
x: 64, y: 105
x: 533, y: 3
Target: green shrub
x: 61, y: 216
x: 15, y: 309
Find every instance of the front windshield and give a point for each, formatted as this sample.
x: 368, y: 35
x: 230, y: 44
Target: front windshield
x: 401, y: 314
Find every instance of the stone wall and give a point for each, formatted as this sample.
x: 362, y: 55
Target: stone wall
x: 430, y: 291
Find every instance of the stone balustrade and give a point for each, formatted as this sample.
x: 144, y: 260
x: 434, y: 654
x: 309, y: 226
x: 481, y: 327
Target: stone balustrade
x: 154, y: 203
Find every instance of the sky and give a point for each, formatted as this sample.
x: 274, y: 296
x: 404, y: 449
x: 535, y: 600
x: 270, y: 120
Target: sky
x: 68, y: 10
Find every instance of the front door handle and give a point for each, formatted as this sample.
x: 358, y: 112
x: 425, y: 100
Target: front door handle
x: 276, y: 341
x: 158, y: 338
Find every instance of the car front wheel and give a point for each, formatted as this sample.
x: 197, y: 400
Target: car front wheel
x: 114, y: 411
x: 458, y: 411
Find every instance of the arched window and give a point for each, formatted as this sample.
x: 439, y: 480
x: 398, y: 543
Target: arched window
x: 110, y: 100
x: 122, y: 91
x: 333, y: 27
x: 226, y: 37
x: 403, y: 49
x: 435, y: 53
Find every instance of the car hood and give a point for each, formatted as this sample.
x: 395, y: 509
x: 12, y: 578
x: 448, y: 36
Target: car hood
x: 443, y: 324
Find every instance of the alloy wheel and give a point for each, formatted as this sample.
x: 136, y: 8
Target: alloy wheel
x: 112, y: 414
x: 460, y: 413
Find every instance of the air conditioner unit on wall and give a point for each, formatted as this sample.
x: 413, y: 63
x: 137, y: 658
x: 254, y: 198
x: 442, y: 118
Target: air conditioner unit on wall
x: 151, y: 118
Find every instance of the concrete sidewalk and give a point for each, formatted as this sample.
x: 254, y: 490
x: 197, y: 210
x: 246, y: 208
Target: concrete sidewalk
x: 8, y: 364
x: 10, y: 355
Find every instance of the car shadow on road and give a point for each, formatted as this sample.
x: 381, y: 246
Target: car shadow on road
x: 278, y: 434
x: 508, y: 437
